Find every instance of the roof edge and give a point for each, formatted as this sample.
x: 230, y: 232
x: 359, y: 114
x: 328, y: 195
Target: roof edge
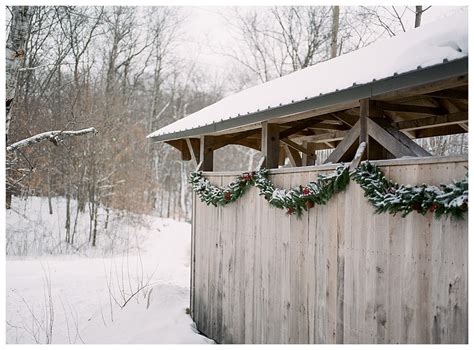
x: 375, y: 88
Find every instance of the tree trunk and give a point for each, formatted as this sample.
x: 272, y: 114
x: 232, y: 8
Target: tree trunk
x: 184, y: 181
x: 418, y: 13
x: 15, y: 55
x: 107, y: 210
x: 94, y: 234
x: 68, y: 215
x: 169, y: 204
x: 8, y: 199
x: 50, y: 205
x: 334, y: 30
x: 75, y: 225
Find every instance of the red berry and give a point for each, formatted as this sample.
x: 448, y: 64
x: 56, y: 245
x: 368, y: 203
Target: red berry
x: 290, y: 211
x: 227, y: 196
x: 305, y: 191
x: 416, y: 206
x: 247, y: 176
x: 309, y: 204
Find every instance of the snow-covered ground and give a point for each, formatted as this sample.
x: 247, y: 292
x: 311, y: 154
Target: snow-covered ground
x: 138, y: 294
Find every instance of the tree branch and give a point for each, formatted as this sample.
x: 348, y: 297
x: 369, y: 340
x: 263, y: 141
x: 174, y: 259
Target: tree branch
x: 53, y: 136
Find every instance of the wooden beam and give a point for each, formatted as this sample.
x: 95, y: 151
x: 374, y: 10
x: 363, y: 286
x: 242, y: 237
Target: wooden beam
x: 395, y: 144
x: 453, y: 94
x: 300, y: 126
x: 358, y: 156
x: 281, y: 156
x: 293, y: 155
x: 403, y: 139
x: 428, y: 122
x: 305, y: 158
x: 207, y: 153
x: 297, y: 147
x: 342, y: 148
x: 325, y: 137
x: 193, y: 149
x: 441, y: 131
x: 181, y: 146
x: 364, y: 115
x: 270, y: 144
x: 410, y: 108
x: 449, y: 83
x: 221, y: 141
x: 347, y: 119
x: 326, y: 126
x: 464, y: 126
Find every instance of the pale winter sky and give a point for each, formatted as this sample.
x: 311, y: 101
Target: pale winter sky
x: 208, y: 34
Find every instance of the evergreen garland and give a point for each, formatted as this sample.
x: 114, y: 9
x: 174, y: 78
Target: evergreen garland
x: 215, y: 195
x: 387, y: 196
x: 299, y: 198
x: 383, y: 194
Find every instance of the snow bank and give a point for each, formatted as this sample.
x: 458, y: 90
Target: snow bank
x: 32, y: 231
x: 85, y: 297
x: 423, y: 47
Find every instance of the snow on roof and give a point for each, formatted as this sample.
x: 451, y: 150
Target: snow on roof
x: 428, y: 45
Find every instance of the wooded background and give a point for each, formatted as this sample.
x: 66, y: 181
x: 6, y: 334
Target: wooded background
x: 121, y: 70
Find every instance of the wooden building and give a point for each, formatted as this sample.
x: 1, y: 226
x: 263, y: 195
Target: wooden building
x: 339, y: 274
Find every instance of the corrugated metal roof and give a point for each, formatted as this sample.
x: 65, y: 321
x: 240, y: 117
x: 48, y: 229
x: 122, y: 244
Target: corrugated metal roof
x: 432, y: 52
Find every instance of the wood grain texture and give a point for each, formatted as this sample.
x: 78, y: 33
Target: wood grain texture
x: 340, y: 274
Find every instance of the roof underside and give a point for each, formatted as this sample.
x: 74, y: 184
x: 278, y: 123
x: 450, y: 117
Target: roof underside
x: 437, y: 52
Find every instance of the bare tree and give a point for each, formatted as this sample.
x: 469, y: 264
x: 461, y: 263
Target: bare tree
x: 15, y: 55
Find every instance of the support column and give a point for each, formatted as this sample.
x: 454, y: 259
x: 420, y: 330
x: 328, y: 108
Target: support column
x: 194, y: 150
x: 364, y: 114
x: 206, y: 153
x: 270, y: 144
x: 310, y: 146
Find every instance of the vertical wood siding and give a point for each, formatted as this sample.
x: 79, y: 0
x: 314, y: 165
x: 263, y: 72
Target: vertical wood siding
x: 340, y: 274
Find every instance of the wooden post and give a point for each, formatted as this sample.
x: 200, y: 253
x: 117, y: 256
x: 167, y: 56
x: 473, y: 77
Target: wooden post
x: 206, y: 153
x: 364, y: 114
x: 305, y: 159
x: 293, y: 155
x: 270, y: 144
x: 193, y: 148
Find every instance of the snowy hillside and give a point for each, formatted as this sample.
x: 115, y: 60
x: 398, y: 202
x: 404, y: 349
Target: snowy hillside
x: 135, y: 295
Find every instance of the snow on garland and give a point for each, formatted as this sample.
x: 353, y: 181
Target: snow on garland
x: 383, y: 194
x: 215, y: 195
x: 295, y: 200
x: 301, y: 198
x: 387, y: 196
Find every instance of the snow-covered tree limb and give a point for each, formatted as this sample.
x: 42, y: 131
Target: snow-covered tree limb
x: 53, y: 136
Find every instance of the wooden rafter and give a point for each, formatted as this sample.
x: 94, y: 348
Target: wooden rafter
x: 221, y: 141
x: 428, y: 122
x: 326, y: 137
x: 300, y: 126
x: 345, y: 118
x: 293, y: 155
x: 410, y: 108
x: 305, y: 158
x: 351, y: 137
x: 193, y: 149
x: 454, y: 94
x: 394, y: 140
x: 298, y: 147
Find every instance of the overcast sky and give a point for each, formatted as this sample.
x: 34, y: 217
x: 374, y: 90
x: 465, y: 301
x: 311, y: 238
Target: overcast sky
x: 207, y: 34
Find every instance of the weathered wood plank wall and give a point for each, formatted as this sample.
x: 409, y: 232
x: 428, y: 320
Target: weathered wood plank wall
x: 341, y: 274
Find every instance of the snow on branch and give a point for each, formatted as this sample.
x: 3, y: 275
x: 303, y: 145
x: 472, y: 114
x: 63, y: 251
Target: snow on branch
x: 53, y: 136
